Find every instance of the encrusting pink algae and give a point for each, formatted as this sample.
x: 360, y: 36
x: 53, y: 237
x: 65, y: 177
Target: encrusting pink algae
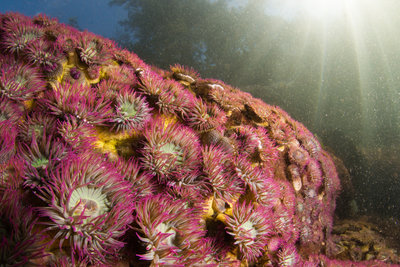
x: 106, y: 160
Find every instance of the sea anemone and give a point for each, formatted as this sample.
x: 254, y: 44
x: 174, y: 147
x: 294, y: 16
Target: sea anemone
x: 67, y: 41
x: 331, y: 178
x: 218, y: 167
x: 250, y: 226
x: 89, y: 205
x: 279, y: 129
x: 11, y: 174
x: 169, y: 230
x: 46, y: 56
x: 314, y: 177
x: 151, y: 84
x: 170, y: 150
x: 123, y: 74
x: 18, y: 35
x: 123, y: 56
x: 93, y: 73
x: 256, y: 144
x: 41, y: 155
x: 262, y: 187
x: 80, y: 137
x: 36, y: 123
x: 203, y: 116
x: 283, y: 224
x: 79, y: 101
x: 140, y: 181
x: 44, y: 21
x: 131, y: 112
x: 8, y: 133
x: 288, y: 256
x: 111, y: 88
x: 20, y: 241
x: 91, y: 49
x: 9, y: 110
x: 9, y: 18
x: 175, y: 100
x: 18, y: 81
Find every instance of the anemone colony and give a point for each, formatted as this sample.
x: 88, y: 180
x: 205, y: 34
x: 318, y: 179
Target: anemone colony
x: 105, y: 159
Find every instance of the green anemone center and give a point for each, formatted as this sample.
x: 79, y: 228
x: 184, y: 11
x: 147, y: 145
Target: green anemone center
x: 40, y: 162
x: 127, y: 109
x: 174, y: 150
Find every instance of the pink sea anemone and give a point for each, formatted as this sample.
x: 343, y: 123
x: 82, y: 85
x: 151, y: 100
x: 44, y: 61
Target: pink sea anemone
x: 251, y: 227
x: 18, y: 35
x: 313, y: 177
x: 78, y: 101
x: 123, y: 74
x: 203, y: 116
x: 218, y: 167
x: 288, y: 256
x: 169, y: 230
x: 80, y: 137
x: 92, y: 49
x: 112, y: 88
x: 131, y: 111
x: 256, y: 144
x: 18, y: 81
x: 151, y: 84
x: 170, y: 150
x: 41, y: 155
x: 8, y: 133
x: 11, y: 174
x: 20, y: 240
x: 261, y: 187
x: 175, y: 100
x: 283, y: 224
x: 141, y: 182
x: 89, y: 206
x: 47, y: 56
x: 36, y: 123
x: 10, y: 110
x: 44, y: 21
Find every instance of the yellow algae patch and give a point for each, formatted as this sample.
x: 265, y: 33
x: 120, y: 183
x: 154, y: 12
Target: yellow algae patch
x: 208, y: 208
x: 107, y: 141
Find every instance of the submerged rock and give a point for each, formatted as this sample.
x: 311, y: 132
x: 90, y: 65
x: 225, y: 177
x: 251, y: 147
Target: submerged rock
x: 121, y: 162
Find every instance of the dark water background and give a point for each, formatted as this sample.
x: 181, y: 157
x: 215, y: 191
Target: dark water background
x: 336, y: 72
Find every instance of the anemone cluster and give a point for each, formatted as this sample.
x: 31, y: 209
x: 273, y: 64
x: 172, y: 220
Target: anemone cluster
x: 106, y: 159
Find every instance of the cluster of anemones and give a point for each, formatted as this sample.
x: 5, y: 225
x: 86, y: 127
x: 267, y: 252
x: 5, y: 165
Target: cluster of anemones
x: 120, y: 160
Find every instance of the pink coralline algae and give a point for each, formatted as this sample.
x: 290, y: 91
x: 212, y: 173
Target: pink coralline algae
x: 106, y: 160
